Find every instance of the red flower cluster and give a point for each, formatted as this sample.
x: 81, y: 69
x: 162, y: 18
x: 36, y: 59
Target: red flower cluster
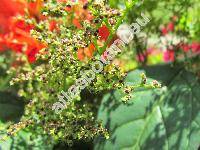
x: 194, y: 47
x: 169, y: 55
x: 15, y: 33
x: 168, y: 28
x: 104, y: 33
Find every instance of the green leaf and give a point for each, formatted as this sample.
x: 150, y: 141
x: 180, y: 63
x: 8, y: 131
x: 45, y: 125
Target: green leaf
x: 163, y: 119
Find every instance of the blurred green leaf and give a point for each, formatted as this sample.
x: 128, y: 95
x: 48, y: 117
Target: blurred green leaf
x: 167, y: 118
x: 11, y: 107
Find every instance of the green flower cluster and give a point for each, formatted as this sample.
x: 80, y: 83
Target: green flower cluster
x: 58, y: 67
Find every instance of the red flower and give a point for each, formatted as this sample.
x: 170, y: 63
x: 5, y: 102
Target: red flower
x: 16, y: 33
x: 185, y: 47
x: 164, y: 31
x: 53, y: 25
x: 77, y: 23
x: 104, y: 33
x: 34, y: 8
x: 32, y: 50
x: 16, y: 36
x: 195, y: 47
x: 28, y: 44
x: 170, y: 26
x: 169, y: 56
x: 9, y: 8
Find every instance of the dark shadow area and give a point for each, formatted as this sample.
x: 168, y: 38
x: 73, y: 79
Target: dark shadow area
x: 11, y: 107
x: 78, y: 145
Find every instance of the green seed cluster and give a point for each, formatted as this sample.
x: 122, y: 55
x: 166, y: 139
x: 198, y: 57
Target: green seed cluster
x: 58, y: 67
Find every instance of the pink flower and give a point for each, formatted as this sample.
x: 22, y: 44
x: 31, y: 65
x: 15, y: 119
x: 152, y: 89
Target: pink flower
x: 195, y: 47
x: 170, y: 26
x: 168, y: 56
x: 150, y: 50
x: 140, y: 57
